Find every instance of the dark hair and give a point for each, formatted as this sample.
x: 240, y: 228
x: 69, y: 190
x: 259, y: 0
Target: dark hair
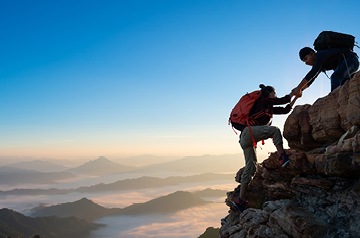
x: 266, y: 90
x: 305, y: 51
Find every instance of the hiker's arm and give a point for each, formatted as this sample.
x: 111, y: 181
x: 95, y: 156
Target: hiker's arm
x: 282, y: 110
x: 291, y: 94
x: 278, y: 101
x: 321, y: 58
x: 302, y: 85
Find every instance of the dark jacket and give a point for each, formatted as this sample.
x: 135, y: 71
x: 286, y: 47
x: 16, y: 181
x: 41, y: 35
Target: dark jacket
x: 266, y: 105
x: 327, y: 60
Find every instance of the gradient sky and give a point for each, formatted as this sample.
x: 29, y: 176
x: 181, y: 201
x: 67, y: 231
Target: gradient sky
x: 91, y: 78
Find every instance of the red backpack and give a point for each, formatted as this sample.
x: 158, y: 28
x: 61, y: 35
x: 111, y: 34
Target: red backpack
x: 240, y: 114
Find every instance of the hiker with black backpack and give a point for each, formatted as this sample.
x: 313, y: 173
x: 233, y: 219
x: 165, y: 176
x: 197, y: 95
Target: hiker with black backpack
x: 334, y: 51
x: 252, y: 116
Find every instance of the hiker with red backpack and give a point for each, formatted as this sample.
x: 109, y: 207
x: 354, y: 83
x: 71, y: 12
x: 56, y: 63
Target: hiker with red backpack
x: 252, y: 116
x: 334, y: 51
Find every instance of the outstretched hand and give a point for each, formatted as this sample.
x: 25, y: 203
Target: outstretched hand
x: 296, y: 92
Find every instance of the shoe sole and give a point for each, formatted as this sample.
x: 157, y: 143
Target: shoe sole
x: 286, y: 163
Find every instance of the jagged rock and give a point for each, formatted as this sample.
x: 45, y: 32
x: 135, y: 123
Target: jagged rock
x: 349, y: 141
x: 320, y: 207
x: 318, y: 183
x: 318, y: 194
x: 339, y: 164
x: 325, y: 123
x: 298, y: 129
x: 298, y: 222
x: 253, y: 217
x: 353, y: 105
x: 343, y: 106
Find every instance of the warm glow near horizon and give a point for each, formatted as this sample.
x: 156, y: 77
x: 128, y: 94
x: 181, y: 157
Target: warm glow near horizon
x: 189, y: 146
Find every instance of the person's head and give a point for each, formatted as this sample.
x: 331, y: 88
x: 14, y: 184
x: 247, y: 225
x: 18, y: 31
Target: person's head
x: 267, y: 91
x: 307, y: 55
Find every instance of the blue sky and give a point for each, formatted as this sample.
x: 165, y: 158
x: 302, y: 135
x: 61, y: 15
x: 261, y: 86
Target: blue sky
x: 91, y: 78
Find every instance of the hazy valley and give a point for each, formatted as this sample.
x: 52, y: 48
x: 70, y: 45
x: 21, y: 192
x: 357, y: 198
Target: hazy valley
x: 114, y: 199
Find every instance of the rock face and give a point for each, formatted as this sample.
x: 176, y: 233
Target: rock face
x: 318, y: 194
x: 327, y: 120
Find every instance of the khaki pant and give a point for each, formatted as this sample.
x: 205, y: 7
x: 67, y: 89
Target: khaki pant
x: 259, y: 133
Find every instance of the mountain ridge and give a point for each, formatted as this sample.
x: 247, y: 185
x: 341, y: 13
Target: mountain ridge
x: 88, y: 210
x: 100, y: 166
x: 15, y: 224
x: 126, y: 184
x: 38, y: 165
x: 15, y: 176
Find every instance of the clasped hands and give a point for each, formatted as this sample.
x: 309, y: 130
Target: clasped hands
x: 297, y: 92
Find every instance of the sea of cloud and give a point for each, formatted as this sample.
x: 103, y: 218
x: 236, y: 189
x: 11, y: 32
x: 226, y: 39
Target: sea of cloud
x: 183, y: 224
x: 188, y: 223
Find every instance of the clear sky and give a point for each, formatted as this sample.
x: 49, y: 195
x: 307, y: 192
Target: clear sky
x: 90, y: 78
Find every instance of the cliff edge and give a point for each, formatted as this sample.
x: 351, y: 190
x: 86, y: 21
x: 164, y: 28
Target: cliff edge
x: 318, y: 194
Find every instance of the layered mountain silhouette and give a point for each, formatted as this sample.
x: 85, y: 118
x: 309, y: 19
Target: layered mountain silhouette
x: 14, y: 224
x: 100, y: 166
x: 83, y: 208
x: 151, y: 182
x: 188, y: 165
x: 127, y: 184
x: 43, y: 172
x: 15, y: 176
x: 38, y: 165
x: 166, y: 204
x: 199, y: 164
x: 73, y: 219
x: 87, y: 209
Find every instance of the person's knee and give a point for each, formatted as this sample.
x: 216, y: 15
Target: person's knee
x: 246, y: 143
x: 245, y: 140
x: 276, y: 131
x: 249, y: 172
x: 277, y: 138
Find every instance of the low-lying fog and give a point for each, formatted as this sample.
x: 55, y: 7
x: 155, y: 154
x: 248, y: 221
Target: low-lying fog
x: 190, y: 222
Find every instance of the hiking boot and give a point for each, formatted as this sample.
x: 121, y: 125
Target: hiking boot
x: 284, y: 159
x: 239, y: 204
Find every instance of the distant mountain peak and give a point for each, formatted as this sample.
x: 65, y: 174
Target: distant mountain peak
x: 100, y: 166
x: 101, y: 159
x: 83, y: 208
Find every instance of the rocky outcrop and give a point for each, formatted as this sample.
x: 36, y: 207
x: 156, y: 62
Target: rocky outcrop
x: 318, y: 194
x: 333, y: 118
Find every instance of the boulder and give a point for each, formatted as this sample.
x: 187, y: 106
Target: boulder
x: 323, y: 123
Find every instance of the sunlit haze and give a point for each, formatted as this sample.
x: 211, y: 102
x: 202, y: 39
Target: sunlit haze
x: 121, y: 78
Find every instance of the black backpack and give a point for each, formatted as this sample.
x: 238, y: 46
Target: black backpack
x: 331, y: 39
